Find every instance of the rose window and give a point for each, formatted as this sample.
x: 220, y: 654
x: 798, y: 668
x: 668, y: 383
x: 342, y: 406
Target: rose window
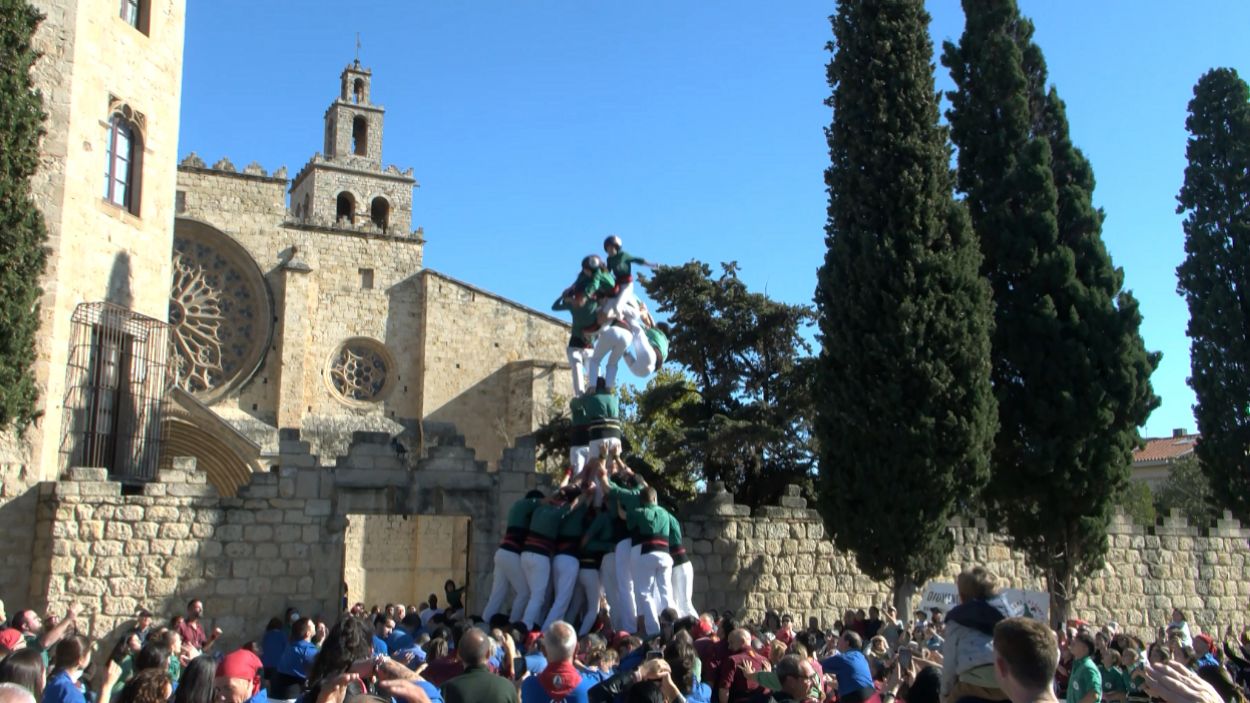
x: 220, y: 312
x: 359, y: 371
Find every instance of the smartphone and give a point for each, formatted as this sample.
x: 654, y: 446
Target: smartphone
x: 362, y: 668
x: 655, y: 654
x: 904, y: 658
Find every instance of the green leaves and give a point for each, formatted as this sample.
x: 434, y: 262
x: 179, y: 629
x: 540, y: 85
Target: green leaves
x: 1070, y: 369
x: 22, y: 232
x: 1215, y: 279
x: 905, y: 413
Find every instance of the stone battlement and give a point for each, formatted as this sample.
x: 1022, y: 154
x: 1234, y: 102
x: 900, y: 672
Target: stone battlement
x: 779, y: 557
x: 225, y: 167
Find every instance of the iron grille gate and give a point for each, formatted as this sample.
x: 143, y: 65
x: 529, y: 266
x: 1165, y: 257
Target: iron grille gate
x: 115, y: 391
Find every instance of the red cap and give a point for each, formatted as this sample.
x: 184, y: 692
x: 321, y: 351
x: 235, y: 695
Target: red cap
x: 702, y: 628
x: 10, y: 638
x: 1206, y: 638
x: 619, y: 636
x: 531, y: 638
x: 242, y: 664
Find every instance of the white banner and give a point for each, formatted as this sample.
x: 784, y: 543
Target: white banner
x: 1029, y: 604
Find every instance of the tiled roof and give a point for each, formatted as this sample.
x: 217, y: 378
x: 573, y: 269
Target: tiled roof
x: 1163, y: 449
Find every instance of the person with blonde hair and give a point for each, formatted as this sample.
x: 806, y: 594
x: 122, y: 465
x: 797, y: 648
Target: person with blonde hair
x: 968, y: 650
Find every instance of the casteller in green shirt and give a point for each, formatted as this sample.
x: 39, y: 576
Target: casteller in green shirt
x: 1085, y: 680
x: 659, y: 341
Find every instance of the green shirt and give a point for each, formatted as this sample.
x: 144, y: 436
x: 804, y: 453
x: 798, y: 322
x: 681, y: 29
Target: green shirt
x: 659, y: 341
x: 626, y: 499
x: 578, y: 407
x: 648, y: 522
x: 597, y: 284
x: 599, y: 536
x: 546, y: 520
x: 520, y: 513
x: 1084, y: 681
x: 573, y: 525
x: 478, y: 685
x: 601, y: 406
x: 619, y: 264
x: 585, y: 315
x: 1114, y: 680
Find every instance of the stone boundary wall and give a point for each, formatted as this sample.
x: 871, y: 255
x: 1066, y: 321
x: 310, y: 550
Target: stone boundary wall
x: 780, y: 558
x: 279, y: 543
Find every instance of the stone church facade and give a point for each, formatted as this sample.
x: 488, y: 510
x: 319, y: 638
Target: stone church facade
x: 320, y: 315
x: 214, y: 338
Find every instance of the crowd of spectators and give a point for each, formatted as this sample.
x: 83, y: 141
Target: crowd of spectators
x: 970, y: 653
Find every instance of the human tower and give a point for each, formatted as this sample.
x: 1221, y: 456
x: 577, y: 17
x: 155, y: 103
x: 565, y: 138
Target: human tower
x: 601, y: 536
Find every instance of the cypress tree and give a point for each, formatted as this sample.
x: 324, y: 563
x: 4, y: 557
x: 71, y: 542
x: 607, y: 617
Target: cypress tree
x: 1215, y: 280
x: 905, y: 413
x: 1070, y: 369
x: 22, y: 231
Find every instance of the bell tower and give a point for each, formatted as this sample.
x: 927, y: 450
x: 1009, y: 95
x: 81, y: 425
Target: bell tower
x: 345, y: 187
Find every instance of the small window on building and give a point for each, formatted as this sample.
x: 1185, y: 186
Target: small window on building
x: 366, y: 279
x: 380, y: 212
x: 345, y: 208
x: 360, y: 135
x: 124, y: 167
x: 180, y: 201
x: 306, y: 212
x: 358, y: 91
x: 136, y: 13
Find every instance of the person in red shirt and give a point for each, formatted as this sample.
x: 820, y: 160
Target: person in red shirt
x: 735, y: 684
x: 192, y: 632
x: 786, y: 632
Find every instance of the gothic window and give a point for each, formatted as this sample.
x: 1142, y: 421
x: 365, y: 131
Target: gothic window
x: 124, y: 166
x: 380, y: 212
x: 360, y: 135
x: 345, y: 208
x: 136, y: 12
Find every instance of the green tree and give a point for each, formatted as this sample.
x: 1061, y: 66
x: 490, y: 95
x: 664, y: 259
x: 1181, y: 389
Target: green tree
x: 22, y: 232
x: 1188, y: 490
x: 1070, y: 369
x: 739, y: 411
x: 1138, y: 502
x: 1215, y: 279
x: 906, y: 415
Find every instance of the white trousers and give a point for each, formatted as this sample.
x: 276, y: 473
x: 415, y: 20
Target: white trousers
x: 578, y: 456
x: 508, y: 573
x: 588, y: 582
x: 635, y: 551
x: 609, y: 582
x: 564, y: 570
x: 628, y: 620
x: 600, y: 447
x: 577, y: 362
x: 611, y: 345
x: 614, y: 308
x: 683, y: 587
x: 653, y: 577
x: 537, y: 570
x: 641, y: 358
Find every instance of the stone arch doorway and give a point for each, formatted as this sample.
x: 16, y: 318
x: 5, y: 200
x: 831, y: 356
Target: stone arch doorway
x: 404, y: 558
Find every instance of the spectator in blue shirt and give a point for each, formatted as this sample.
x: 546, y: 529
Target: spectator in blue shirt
x: 850, y: 666
x: 289, y: 680
x: 383, y: 626
x: 68, y: 661
x: 272, y: 645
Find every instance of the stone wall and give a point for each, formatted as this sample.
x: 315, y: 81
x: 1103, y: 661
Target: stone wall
x: 91, y: 62
x: 404, y: 558
x: 492, y: 368
x: 780, y: 558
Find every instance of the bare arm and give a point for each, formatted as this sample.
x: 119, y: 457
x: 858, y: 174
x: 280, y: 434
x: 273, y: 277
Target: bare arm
x: 56, y: 634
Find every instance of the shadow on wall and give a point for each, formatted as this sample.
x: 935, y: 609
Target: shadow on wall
x: 19, y: 506
x: 403, y: 339
x: 119, y: 292
x: 494, y: 412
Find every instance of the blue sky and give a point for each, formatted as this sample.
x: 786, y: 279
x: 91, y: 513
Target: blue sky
x: 691, y: 129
